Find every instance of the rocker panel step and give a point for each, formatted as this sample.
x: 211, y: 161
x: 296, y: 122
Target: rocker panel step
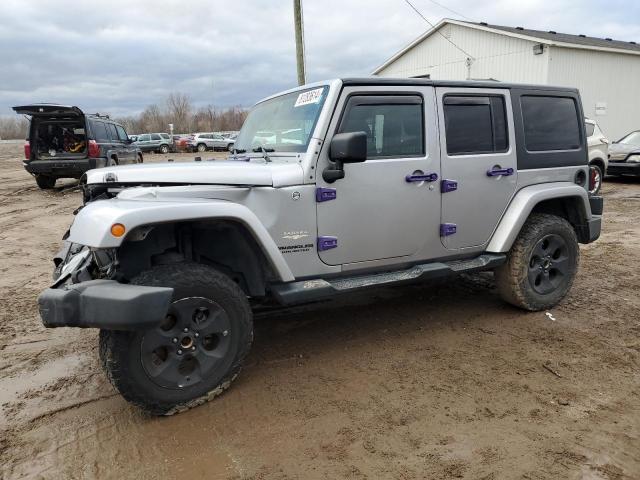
x: 310, y: 290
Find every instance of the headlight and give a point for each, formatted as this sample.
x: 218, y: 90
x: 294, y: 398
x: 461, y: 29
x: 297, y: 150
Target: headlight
x: 74, y: 262
x: 635, y: 158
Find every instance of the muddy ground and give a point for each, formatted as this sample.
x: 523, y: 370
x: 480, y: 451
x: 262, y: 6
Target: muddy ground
x: 432, y: 381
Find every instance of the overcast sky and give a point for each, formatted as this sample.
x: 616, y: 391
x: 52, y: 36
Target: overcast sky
x: 122, y: 55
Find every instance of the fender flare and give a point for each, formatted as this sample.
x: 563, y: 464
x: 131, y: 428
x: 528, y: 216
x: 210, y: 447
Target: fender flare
x: 92, y: 225
x: 523, y: 203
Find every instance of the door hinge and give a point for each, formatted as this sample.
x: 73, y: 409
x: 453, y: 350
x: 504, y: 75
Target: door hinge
x: 327, y: 243
x: 447, y: 229
x: 448, y: 186
x: 325, y: 194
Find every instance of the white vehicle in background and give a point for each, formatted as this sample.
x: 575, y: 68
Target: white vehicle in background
x: 598, y: 146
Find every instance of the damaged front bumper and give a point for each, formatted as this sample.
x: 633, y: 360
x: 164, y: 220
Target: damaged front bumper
x: 104, y: 304
x: 77, y: 300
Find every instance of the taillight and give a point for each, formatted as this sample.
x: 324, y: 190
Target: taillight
x: 27, y: 150
x: 94, y: 149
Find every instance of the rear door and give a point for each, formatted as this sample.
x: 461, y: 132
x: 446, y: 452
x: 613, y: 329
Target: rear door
x: 478, y: 161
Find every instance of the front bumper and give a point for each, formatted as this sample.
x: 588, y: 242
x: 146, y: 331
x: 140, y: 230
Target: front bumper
x: 104, y: 304
x: 64, y: 168
x: 623, y: 168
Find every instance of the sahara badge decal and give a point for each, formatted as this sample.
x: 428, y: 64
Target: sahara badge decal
x: 297, y: 248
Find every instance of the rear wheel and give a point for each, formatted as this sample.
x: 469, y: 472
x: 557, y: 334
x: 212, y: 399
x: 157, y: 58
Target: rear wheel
x: 45, y: 182
x: 202, y: 147
x: 541, y: 264
x: 193, y: 354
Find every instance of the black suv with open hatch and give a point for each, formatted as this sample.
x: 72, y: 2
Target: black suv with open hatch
x: 64, y: 142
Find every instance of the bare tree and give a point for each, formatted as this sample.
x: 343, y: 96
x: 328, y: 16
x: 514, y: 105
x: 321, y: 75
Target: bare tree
x: 179, y: 110
x: 13, y: 128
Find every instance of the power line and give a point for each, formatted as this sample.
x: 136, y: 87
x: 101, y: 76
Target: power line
x: 449, y: 9
x: 438, y: 31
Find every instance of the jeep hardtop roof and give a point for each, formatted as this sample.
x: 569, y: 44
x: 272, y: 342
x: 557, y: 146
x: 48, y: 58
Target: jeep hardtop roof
x: 388, y: 81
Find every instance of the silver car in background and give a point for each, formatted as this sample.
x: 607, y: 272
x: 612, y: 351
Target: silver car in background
x: 202, y: 142
x: 624, y: 155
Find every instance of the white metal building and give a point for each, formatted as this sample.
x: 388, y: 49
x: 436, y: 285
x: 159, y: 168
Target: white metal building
x: 605, y: 71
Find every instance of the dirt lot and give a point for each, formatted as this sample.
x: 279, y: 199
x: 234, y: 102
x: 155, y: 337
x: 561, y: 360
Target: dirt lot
x: 432, y: 381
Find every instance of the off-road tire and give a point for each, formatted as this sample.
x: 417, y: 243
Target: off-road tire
x: 120, y: 351
x: 201, y: 147
x: 513, y: 279
x: 45, y: 182
x: 164, y: 149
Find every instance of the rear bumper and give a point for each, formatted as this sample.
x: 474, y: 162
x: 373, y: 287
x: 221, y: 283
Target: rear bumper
x: 64, y: 168
x: 104, y: 304
x: 623, y: 168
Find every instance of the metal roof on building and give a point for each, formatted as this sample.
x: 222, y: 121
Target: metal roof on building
x: 562, y: 37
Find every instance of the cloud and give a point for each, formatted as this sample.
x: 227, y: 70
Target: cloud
x: 120, y: 56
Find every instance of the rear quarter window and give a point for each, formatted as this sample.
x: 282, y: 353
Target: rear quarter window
x: 550, y: 123
x: 99, y: 130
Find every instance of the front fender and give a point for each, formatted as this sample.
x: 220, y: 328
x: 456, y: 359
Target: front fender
x: 523, y: 204
x: 92, y: 225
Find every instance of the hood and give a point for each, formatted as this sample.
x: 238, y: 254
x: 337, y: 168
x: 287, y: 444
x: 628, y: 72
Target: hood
x: 218, y: 172
x: 620, y: 151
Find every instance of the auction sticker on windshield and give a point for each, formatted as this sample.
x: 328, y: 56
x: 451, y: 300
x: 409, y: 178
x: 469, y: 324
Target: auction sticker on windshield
x: 309, y: 97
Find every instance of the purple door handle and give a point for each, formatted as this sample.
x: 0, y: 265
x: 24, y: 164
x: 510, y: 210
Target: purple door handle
x: 496, y: 172
x: 425, y: 177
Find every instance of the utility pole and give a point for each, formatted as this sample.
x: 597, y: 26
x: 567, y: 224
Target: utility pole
x: 297, y: 18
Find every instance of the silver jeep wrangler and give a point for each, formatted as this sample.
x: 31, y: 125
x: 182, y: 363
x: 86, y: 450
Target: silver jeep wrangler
x: 332, y: 187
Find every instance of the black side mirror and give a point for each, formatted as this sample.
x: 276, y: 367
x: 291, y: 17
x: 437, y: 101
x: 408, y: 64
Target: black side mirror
x: 349, y: 147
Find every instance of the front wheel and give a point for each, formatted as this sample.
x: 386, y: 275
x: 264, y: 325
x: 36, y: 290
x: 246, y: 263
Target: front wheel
x: 541, y: 264
x: 202, y: 147
x: 194, y: 353
x: 164, y: 149
x: 595, y: 179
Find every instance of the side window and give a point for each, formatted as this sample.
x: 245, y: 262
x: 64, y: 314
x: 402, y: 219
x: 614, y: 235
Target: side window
x: 144, y: 138
x: 550, y: 123
x: 475, y: 124
x: 99, y: 131
x: 394, y: 125
x: 122, y: 134
x: 113, y: 133
x: 165, y: 136
x: 590, y: 128
x: 155, y: 136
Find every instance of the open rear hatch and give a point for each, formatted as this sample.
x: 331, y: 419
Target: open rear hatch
x: 57, y: 131
x: 49, y: 110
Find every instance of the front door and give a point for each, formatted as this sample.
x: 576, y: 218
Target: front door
x: 478, y: 161
x: 387, y: 207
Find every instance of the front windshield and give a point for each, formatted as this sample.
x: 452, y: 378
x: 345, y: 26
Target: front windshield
x: 632, y: 139
x: 282, y: 124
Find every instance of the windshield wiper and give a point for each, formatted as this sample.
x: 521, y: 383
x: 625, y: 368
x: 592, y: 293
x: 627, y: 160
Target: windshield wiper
x: 264, y: 152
